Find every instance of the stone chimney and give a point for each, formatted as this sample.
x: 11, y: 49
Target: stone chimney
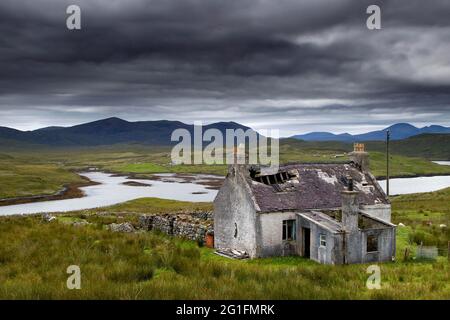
x: 350, y: 208
x: 360, y: 157
x: 238, y: 160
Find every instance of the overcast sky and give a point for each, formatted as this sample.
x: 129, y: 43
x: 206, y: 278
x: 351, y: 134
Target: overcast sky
x: 292, y: 65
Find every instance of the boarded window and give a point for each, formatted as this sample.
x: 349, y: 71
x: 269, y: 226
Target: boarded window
x: 323, y: 240
x: 289, y: 229
x: 372, y: 243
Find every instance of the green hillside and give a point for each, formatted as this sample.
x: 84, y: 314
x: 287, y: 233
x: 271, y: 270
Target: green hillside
x: 429, y: 146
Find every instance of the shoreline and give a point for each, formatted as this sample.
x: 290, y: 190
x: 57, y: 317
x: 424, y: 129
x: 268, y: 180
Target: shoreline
x: 70, y: 191
x: 413, y: 176
x: 73, y: 191
x: 212, y: 183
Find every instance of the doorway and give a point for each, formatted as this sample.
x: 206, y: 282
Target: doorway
x: 306, y: 242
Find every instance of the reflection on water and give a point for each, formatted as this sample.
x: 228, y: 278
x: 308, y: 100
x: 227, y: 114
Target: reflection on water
x: 112, y: 191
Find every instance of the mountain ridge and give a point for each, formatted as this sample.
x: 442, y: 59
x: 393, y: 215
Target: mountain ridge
x: 399, y: 131
x: 115, y: 130
x: 108, y: 131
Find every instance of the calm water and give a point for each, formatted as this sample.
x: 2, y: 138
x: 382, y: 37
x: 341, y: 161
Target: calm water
x: 416, y: 185
x: 443, y: 163
x: 185, y: 188
x: 112, y: 191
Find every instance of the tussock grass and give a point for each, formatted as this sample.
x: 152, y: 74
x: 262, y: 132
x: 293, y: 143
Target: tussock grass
x: 423, y: 213
x: 34, y: 256
x: 23, y: 179
x: 155, y: 205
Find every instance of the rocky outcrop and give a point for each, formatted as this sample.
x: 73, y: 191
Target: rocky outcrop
x: 121, y: 227
x: 206, y: 215
x: 82, y: 223
x: 47, y: 217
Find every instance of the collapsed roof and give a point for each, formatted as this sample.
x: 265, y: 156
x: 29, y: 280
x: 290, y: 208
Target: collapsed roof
x: 312, y: 187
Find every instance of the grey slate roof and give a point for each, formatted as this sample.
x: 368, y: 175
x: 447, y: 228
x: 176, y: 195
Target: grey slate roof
x: 322, y: 220
x: 325, y: 221
x: 318, y: 186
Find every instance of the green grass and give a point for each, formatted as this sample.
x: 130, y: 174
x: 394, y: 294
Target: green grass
x: 34, y: 257
x: 402, y: 166
x: 141, y: 168
x: 326, y: 152
x: 23, y: 179
x: 429, y: 146
x: 423, y: 214
x: 154, y: 205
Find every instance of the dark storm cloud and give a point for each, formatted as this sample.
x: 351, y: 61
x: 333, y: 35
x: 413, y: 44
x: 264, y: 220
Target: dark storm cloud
x: 296, y: 65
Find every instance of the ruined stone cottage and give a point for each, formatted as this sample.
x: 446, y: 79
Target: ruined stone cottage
x: 331, y: 213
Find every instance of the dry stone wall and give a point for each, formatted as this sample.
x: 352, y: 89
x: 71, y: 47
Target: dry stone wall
x: 193, y: 226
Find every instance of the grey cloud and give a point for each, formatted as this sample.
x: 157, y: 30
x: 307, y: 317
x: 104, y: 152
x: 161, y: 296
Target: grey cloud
x: 223, y: 60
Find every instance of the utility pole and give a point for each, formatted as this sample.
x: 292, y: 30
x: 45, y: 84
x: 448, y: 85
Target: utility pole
x: 388, y: 137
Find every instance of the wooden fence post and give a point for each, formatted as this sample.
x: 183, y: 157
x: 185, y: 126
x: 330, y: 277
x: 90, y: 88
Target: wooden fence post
x: 406, y: 255
x: 448, y: 251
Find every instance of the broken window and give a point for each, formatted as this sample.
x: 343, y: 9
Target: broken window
x: 372, y: 243
x: 323, y: 240
x: 289, y: 230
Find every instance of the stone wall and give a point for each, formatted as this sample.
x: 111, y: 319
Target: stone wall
x: 381, y: 211
x: 193, y: 226
x: 235, y: 217
x: 271, y: 226
x: 206, y: 215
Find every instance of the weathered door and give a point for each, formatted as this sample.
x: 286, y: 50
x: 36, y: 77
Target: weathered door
x: 306, y: 242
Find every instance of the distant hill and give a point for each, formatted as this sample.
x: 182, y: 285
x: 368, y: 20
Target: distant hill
x: 428, y: 146
x: 116, y: 131
x: 107, y: 132
x: 399, y: 131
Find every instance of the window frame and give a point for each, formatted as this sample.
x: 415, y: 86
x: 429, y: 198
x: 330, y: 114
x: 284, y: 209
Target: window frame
x: 323, y: 239
x: 290, y: 224
x: 375, y: 237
